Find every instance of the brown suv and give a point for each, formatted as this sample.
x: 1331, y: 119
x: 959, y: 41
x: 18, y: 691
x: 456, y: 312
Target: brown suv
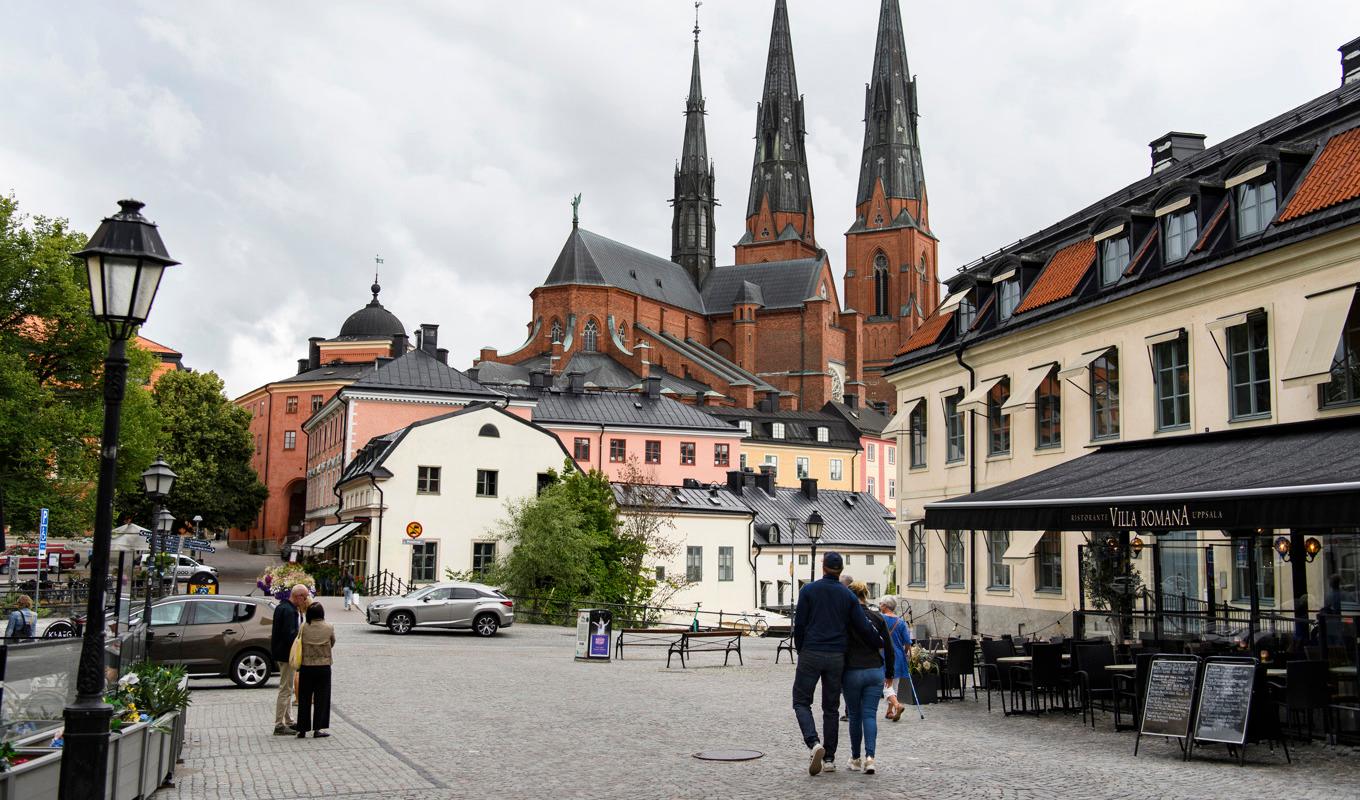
x: 215, y: 636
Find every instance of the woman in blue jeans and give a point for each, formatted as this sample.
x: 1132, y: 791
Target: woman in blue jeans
x: 866, y: 677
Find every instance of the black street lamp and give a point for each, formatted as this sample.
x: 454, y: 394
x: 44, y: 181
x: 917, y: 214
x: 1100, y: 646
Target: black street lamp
x: 124, y: 259
x: 814, y: 532
x: 157, y: 481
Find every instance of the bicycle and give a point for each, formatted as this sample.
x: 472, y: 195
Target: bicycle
x: 756, y: 628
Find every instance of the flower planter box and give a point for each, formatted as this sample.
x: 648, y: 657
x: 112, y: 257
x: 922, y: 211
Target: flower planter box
x: 160, y: 755
x: 127, y: 749
x: 927, y: 687
x: 38, y: 779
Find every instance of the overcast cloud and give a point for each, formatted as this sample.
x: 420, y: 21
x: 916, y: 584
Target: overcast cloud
x: 282, y: 145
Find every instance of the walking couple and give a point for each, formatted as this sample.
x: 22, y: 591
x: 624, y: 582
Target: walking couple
x: 301, y: 641
x: 848, y: 649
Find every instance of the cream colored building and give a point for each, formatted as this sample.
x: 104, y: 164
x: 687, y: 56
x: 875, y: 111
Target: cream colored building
x: 1207, y: 312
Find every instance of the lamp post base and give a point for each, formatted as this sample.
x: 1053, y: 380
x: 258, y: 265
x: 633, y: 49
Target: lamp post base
x: 85, y: 751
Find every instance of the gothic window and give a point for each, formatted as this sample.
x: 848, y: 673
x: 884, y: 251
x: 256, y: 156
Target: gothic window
x: 703, y: 227
x: 623, y: 332
x: 556, y: 331
x: 881, y: 286
x: 591, y: 337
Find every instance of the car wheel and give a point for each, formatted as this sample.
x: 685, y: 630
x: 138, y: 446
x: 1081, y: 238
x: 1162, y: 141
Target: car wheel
x: 486, y: 624
x: 400, y: 623
x: 250, y: 670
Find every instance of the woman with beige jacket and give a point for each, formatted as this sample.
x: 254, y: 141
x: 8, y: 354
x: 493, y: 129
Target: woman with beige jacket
x: 314, y: 676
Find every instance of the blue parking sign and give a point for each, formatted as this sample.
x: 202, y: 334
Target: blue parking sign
x: 42, y: 533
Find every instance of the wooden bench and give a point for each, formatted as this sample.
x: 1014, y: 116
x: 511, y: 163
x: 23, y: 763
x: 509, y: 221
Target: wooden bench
x: 785, y: 644
x: 690, y: 642
x: 646, y: 637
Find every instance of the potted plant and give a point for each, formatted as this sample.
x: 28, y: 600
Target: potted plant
x: 278, y: 581
x: 29, y: 772
x: 147, y: 703
x: 925, y: 674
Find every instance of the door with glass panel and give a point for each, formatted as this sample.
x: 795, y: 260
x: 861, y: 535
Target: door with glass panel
x: 1178, y: 552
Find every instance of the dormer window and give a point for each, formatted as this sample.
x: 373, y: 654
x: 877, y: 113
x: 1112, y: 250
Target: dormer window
x: 1256, y: 201
x: 1008, y: 297
x: 1180, y: 228
x: 967, y: 315
x: 777, y: 430
x: 745, y: 426
x: 1114, y: 259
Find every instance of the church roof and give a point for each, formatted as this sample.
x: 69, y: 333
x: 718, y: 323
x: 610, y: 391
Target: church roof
x: 372, y: 321
x: 892, y: 151
x: 782, y: 284
x: 418, y: 371
x: 780, y: 171
x: 594, y: 260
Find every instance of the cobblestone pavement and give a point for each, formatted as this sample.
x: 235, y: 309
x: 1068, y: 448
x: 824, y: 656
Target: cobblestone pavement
x: 447, y: 715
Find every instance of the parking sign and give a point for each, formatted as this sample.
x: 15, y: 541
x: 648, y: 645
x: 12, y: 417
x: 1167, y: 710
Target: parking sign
x: 42, y: 533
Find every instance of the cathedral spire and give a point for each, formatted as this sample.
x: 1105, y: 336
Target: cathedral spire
x: 892, y: 151
x: 692, y: 224
x: 779, y: 208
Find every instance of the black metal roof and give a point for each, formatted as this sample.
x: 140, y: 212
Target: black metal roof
x: 851, y: 519
x: 868, y: 421
x: 372, y: 321
x: 799, y: 426
x: 623, y: 409
x: 707, y: 358
x: 418, y: 371
x: 682, y: 499
x: 892, y: 151
x: 594, y: 260
x: 781, y: 284
x: 1292, y: 135
x: 331, y: 372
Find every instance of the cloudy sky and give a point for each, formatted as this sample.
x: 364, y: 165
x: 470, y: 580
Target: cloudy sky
x: 282, y: 145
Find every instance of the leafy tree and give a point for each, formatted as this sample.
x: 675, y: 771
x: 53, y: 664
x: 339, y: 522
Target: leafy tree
x: 207, y: 443
x: 51, y: 392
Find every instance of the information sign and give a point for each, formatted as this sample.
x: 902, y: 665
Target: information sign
x: 1225, y: 702
x: 42, y: 534
x: 1170, y: 698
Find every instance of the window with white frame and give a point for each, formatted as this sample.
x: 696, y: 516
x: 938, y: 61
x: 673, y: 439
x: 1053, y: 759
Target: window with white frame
x: 777, y: 430
x: 1249, y: 368
x: 837, y: 469
x: 802, y: 464
x: 726, y: 563
x: 998, y: 571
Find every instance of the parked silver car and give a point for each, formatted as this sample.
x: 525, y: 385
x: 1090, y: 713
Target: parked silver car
x: 453, y: 604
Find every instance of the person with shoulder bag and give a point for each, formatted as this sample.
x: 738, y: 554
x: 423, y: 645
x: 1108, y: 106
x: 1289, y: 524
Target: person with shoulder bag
x: 316, y: 638
x: 23, y: 623
x: 868, y: 663
x: 283, y: 640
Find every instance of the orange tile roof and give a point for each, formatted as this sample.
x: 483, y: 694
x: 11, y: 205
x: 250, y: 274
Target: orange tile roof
x: 1060, y: 278
x: 155, y: 347
x: 928, y: 332
x: 1334, y: 178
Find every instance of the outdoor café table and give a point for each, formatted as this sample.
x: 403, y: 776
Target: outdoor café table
x: 1011, y: 661
x: 1120, y: 667
x: 1279, y: 672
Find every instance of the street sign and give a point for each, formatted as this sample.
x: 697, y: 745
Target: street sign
x: 166, y: 543
x: 199, y: 545
x: 414, y: 529
x: 42, y: 534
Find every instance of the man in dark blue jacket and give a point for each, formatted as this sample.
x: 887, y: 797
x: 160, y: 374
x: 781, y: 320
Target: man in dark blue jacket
x: 287, y: 620
x: 825, y: 614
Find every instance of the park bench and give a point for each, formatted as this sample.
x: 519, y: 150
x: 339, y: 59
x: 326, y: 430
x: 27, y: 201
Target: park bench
x: 785, y: 644
x: 690, y: 642
x: 646, y: 637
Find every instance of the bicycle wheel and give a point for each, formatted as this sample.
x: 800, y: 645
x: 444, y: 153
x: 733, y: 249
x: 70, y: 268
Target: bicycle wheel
x: 761, y: 626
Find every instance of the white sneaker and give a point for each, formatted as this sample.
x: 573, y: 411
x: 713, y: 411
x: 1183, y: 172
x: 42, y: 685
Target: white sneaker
x: 868, y: 765
x: 854, y: 765
x: 828, y: 766
x: 815, y: 764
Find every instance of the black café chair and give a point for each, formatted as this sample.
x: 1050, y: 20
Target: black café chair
x: 991, y: 676
x: 1042, y: 677
x: 1094, y: 683
x: 1128, y: 691
x: 1305, y: 691
x: 958, y: 667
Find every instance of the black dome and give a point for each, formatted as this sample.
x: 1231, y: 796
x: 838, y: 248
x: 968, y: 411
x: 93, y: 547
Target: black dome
x: 372, y: 321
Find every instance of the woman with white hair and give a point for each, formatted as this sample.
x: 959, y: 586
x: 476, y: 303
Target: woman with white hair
x: 899, y: 633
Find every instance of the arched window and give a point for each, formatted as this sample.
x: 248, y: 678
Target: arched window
x: 556, y: 331
x: 591, y: 337
x: 703, y: 227
x: 489, y: 430
x: 881, y: 286
x: 824, y: 292
x: 623, y: 332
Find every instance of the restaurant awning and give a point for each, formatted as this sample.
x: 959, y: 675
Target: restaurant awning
x: 1026, y: 384
x: 978, y: 395
x: 1021, y: 547
x: 338, y: 535
x: 1324, y: 318
x: 901, y: 422
x: 1077, y: 371
x: 309, y: 541
x: 1296, y: 475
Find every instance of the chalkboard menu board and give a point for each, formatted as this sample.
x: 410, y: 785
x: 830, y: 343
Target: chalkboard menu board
x: 1225, y: 702
x: 1170, y: 697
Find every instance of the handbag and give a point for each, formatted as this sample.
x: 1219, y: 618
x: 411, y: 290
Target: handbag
x: 295, y: 654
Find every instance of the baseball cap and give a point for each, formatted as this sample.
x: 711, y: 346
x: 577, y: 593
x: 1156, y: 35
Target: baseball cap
x: 833, y: 560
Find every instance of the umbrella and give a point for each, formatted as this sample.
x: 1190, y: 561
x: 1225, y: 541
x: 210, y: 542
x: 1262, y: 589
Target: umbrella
x: 130, y: 527
x: 128, y: 542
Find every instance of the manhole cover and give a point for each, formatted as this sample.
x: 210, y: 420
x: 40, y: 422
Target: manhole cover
x: 728, y: 755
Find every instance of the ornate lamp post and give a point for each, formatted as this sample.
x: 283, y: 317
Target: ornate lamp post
x: 157, y: 480
x: 814, y: 532
x: 125, y: 259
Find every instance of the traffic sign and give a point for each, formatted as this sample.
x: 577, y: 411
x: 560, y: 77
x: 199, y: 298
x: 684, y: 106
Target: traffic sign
x: 199, y: 545
x: 414, y: 529
x: 42, y: 533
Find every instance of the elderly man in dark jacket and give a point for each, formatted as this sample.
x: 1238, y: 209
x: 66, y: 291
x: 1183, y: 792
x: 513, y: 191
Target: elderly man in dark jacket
x: 287, y: 619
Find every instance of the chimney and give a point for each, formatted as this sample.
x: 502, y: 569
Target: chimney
x: 691, y: 483
x: 653, y: 384
x: 1350, y: 61
x: 735, y: 479
x: 765, y: 480
x: 399, y: 345
x: 576, y: 382
x: 381, y: 361
x: 555, y: 361
x: 881, y: 406
x: 643, y: 349
x: 303, y: 365
x: 443, y: 355
x: 428, y: 338
x: 314, y: 352
x: 809, y: 487
x: 771, y: 402
x: 536, y: 379
x: 1173, y: 148
x: 473, y: 373
x: 851, y: 400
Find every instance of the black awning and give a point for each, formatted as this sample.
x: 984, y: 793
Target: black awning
x: 1297, y: 475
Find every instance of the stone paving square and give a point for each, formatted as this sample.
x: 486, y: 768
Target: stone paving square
x: 448, y: 715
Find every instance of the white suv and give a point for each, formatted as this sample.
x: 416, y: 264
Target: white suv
x: 186, y: 569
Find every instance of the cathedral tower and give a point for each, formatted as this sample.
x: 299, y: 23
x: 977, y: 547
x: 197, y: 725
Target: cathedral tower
x: 890, y: 266
x: 779, y: 209
x: 692, y: 225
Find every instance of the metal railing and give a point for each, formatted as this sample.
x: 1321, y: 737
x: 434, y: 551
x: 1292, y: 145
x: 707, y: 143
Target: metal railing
x: 384, y: 584
x: 557, y: 610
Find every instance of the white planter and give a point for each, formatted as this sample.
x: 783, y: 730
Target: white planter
x: 160, y: 752
x: 127, y: 748
x: 38, y: 779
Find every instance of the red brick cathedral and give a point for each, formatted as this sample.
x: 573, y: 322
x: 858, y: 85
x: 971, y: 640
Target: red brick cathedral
x: 773, y: 324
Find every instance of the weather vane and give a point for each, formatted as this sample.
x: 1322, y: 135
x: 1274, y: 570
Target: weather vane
x: 696, y: 19
x: 575, y: 209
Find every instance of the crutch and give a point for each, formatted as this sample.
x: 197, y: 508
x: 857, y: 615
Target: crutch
x: 912, y: 684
